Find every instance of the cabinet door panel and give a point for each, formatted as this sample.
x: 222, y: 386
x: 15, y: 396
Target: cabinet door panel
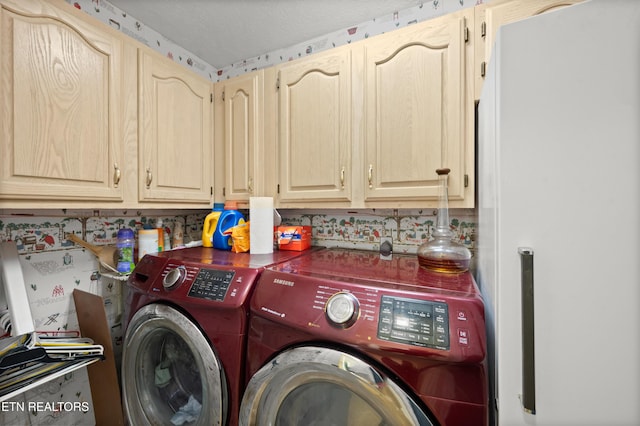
x: 61, y: 117
x: 415, y: 110
x: 315, y: 128
x: 175, y: 133
x: 242, y: 135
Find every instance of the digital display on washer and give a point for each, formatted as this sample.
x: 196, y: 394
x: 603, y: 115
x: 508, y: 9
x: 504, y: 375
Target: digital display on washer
x: 414, y: 322
x: 211, y: 284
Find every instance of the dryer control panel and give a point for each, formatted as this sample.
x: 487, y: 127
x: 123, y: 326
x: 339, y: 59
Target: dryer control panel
x: 414, y: 322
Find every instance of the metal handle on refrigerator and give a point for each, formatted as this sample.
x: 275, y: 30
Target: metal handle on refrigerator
x: 528, y: 396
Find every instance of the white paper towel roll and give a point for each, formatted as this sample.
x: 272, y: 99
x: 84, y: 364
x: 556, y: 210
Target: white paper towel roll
x: 261, y: 230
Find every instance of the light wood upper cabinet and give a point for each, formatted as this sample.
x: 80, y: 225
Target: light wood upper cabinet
x: 314, y: 128
x: 490, y: 16
x: 419, y: 111
x: 61, y: 110
x: 175, y: 132
x: 368, y: 124
x: 242, y: 103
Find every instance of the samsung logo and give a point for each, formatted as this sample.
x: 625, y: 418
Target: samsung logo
x: 283, y: 282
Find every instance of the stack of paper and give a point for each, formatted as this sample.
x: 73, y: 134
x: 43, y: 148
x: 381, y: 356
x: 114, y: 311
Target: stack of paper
x: 29, y: 360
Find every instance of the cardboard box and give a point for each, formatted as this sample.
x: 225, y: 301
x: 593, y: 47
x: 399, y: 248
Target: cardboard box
x: 296, y: 238
x: 103, y: 377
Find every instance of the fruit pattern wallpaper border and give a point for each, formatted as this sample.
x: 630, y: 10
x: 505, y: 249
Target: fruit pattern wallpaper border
x: 408, y: 229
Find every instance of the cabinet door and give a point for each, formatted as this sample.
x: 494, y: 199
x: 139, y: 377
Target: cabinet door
x: 417, y: 110
x: 490, y: 16
x: 175, y: 127
x: 242, y: 98
x: 61, y: 114
x: 314, y: 134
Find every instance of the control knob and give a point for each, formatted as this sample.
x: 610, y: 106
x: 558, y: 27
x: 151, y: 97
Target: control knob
x: 342, y: 309
x: 174, y: 277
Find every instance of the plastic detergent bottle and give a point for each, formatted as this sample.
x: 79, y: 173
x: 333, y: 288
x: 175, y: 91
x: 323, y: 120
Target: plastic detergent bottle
x: 210, y: 224
x: 228, y: 219
x: 125, y: 243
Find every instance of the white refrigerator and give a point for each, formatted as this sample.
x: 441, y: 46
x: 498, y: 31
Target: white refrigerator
x: 558, y: 245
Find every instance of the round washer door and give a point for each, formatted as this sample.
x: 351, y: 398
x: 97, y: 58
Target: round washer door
x: 321, y: 386
x: 170, y: 373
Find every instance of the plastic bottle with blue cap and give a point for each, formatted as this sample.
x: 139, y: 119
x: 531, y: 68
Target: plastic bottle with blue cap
x: 210, y: 224
x: 229, y: 218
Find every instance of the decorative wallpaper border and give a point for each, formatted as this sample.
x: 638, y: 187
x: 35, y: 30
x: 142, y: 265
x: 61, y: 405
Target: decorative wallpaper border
x: 408, y: 229
x: 130, y: 26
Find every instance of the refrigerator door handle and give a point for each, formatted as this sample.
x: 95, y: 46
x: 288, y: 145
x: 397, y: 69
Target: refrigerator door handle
x: 528, y: 396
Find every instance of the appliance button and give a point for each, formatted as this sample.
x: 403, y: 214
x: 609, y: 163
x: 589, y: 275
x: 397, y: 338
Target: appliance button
x: 463, y: 336
x: 342, y: 309
x: 174, y: 277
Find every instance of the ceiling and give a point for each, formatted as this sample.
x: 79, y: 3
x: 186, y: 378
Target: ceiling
x: 222, y: 32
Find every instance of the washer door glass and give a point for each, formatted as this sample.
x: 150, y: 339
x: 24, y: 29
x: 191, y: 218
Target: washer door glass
x: 321, y: 386
x: 170, y: 373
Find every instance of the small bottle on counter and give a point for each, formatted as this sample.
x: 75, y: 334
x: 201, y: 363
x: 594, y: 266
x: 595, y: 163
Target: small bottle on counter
x: 147, y: 242
x: 178, y: 235
x: 125, y: 244
x: 164, y: 242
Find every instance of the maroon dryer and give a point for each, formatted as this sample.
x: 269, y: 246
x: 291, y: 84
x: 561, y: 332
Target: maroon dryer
x: 343, y: 337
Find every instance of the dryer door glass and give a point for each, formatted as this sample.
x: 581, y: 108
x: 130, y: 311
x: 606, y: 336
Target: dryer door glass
x: 170, y: 374
x: 321, y: 386
x: 308, y: 404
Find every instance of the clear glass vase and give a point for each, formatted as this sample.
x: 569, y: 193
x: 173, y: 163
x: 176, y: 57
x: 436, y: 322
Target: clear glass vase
x: 442, y: 253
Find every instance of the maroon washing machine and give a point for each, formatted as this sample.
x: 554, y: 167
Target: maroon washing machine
x: 186, y: 318
x: 342, y: 337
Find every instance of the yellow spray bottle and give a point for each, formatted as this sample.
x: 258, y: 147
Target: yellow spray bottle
x: 210, y: 224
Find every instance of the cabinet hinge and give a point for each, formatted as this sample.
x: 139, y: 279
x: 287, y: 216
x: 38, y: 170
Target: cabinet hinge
x: 278, y: 83
x: 483, y: 69
x: 466, y: 181
x: 223, y: 96
x: 466, y: 34
x: 483, y: 29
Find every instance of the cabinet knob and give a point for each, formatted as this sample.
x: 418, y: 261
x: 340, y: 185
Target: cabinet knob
x: 342, y: 177
x: 116, y: 174
x: 149, y: 177
x: 370, y: 176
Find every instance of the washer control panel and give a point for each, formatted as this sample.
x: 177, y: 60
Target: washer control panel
x: 211, y: 284
x: 414, y: 322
